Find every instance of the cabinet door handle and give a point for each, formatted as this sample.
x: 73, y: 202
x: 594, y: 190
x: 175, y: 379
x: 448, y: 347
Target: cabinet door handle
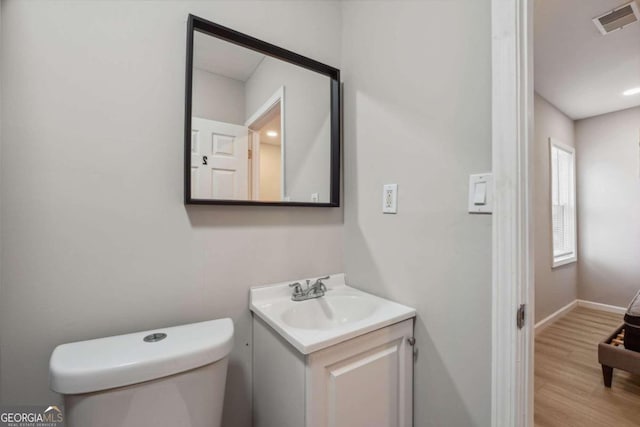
x: 411, y: 341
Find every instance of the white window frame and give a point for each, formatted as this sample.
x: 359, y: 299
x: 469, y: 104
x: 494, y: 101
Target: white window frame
x: 571, y: 257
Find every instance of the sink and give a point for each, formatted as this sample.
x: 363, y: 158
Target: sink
x: 328, y: 312
x: 344, y: 312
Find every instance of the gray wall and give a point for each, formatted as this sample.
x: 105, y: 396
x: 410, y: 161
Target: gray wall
x: 608, y: 206
x: 554, y: 287
x: 307, y: 124
x: 417, y: 107
x: 95, y: 238
x: 217, y: 97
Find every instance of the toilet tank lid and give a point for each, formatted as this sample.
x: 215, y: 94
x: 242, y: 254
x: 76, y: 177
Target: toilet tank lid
x: 104, y: 363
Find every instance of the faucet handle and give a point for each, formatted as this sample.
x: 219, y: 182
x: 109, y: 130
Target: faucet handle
x: 297, y: 287
x: 319, y: 283
x: 318, y: 286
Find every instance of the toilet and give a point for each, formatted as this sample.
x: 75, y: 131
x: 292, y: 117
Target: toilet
x: 173, y: 377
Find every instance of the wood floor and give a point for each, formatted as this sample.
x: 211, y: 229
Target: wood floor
x: 568, y: 379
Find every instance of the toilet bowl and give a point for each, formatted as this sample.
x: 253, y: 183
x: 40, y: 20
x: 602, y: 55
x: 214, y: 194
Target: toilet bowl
x: 173, y: 377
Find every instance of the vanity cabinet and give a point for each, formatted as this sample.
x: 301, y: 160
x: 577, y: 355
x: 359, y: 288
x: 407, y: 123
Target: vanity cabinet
x: 364, y: 381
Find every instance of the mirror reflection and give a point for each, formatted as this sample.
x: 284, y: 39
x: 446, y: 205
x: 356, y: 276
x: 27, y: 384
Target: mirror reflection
x: 260, y: 126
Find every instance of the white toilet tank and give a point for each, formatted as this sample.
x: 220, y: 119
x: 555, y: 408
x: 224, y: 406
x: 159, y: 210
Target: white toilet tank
x: 173, y: 377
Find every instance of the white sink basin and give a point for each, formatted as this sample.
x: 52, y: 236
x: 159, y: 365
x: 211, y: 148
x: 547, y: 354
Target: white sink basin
x: 343, y: 313
x: 330, y: 311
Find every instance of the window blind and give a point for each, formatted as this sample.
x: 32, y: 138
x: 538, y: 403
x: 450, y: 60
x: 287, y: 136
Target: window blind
x: 563, y: 206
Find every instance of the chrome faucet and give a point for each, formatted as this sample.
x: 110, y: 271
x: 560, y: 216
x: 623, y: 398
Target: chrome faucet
x: 313, y: 290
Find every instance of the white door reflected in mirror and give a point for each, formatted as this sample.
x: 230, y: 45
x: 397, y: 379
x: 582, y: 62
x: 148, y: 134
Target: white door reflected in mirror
x: 218, y: 160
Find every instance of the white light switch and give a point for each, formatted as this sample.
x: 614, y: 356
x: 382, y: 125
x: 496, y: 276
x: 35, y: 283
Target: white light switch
x: 390, y: 198
x: 481, y: 193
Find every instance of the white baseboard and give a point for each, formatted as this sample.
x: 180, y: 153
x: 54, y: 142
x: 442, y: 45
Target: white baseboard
x: 555, y: 316
x: 602, y: 307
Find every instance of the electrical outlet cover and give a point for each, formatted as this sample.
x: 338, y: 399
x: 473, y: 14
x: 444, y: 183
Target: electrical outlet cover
x: 390, y: 198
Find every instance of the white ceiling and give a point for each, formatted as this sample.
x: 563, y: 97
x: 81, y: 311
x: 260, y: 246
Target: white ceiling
x: 269, y: 121
x: 224, y: 58
x: 272, y: 124
x: 580, y: 71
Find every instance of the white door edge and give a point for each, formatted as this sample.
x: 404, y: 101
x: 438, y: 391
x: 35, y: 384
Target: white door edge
x: 512, y: 126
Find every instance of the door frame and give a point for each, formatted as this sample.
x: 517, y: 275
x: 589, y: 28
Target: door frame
x: 512, y: 240
x: 278, y: 96
x: 254, y: 164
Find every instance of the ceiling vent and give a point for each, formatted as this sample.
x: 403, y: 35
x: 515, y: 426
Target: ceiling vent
x: 618, y: 18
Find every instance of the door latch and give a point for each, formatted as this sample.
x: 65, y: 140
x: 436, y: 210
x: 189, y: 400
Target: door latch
x: 520, y: 316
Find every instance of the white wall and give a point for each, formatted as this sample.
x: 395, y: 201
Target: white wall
x: 270, y: 171
x: 608, y: 165
x: 417, y: 108
x: 307, y: 127
x: 554, y: 287
x: 217, y: 97
x: 95, y: 238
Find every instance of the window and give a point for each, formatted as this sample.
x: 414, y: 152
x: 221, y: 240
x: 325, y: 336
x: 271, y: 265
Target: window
x: 563, y: 203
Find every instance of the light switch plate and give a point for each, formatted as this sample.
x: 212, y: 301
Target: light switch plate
x: 481, y: 193
x: 390, y: 198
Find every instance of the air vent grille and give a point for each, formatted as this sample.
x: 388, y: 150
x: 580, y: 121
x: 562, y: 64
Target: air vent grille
x: 618, y: 18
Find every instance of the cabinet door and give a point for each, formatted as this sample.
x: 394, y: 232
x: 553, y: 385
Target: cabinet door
x: 363, y: 382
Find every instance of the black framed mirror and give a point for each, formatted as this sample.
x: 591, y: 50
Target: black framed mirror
x: 262, y: 123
